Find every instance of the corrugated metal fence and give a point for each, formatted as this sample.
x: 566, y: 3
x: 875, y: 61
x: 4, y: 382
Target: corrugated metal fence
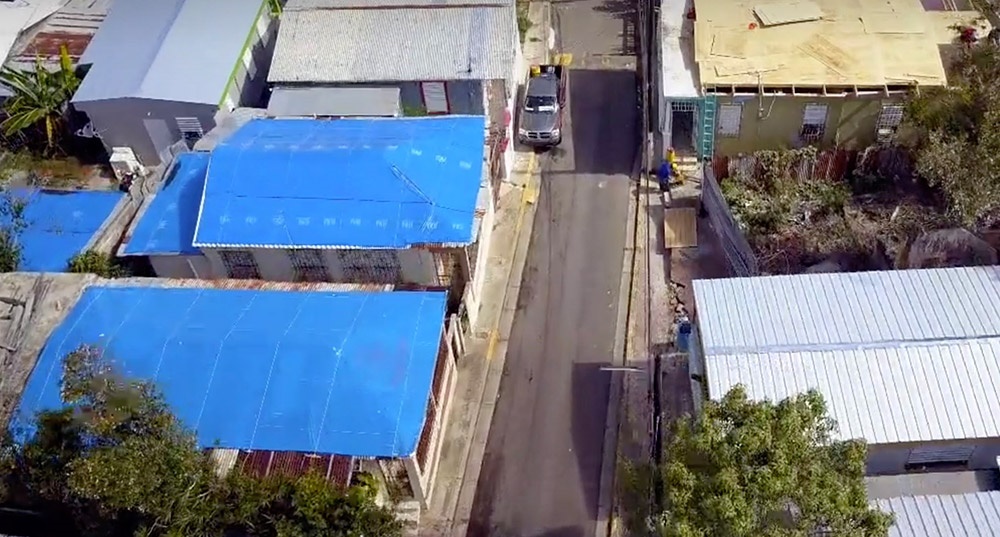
x: 741, y: 258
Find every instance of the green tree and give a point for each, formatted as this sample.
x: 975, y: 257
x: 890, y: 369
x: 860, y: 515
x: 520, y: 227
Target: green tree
x: 40, y: 97
x: 116, y: 461
x: 957, y: 134
x: 755, y: 469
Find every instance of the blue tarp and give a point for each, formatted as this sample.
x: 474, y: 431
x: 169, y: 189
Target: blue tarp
x: 362, y: 183
x: 324, y: 372
x: 59, y: 224
x: 167, y: 225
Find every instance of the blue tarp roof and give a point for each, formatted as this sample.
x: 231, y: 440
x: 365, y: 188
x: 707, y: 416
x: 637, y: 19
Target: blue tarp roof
x: 172, y: 50
x: 324, y: 372
x: 167, y: 225
x: 59, y: 224
x: 361, y: 183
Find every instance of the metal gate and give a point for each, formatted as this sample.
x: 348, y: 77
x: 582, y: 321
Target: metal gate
x: 370, y: 266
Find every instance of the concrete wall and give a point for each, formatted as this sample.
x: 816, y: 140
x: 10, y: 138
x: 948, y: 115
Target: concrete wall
x: 182, y: 266
x: 890, y: 459
x: 249, y: 82
x: 122, y: 123
x: 422, y: 476
x: 774, y: 122
x: 418, y: 266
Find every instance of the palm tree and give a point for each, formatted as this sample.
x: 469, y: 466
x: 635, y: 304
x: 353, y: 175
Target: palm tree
x: 40, y: 97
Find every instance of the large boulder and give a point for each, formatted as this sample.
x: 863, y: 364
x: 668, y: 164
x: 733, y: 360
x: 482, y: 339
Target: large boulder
x: 948, y: 248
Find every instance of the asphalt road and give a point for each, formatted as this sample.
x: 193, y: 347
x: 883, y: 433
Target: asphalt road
x: 541, y: 472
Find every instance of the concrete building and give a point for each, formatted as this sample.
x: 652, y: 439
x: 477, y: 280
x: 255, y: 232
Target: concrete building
x: 255, y: 369
x: 959, y: 515
x: 393, y: 57
x: 186, y: 59
x: 906, y: 360
x: 399, y: 201
x: 737, y: 76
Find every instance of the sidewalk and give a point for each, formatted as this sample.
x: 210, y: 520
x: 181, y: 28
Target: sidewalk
x: 481, y: 369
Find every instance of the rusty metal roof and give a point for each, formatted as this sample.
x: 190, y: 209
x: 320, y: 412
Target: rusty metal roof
x: 72, y: 25
x: 336, y: 468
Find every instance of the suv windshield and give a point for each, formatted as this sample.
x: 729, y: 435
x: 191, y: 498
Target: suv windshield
x: 540, y: 104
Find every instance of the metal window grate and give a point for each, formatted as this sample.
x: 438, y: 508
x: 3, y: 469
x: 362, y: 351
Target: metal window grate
x: 190, y: 128
x: 308, y: 266
x: 683, y: 106
x: 730, y: 118
x: 371, y: 266
x: 240, y: 264
x: 889, y: 119
x: 813, y: 123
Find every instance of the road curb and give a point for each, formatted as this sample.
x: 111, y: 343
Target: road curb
x: 609, y: 458
x: 496, y: 357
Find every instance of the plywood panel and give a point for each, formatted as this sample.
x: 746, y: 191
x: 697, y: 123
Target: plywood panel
x: 787, y: 12
x: 894, y: 23
x: 680, y: 227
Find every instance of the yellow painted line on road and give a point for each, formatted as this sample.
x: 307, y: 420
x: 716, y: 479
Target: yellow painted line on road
x: 529, y: 194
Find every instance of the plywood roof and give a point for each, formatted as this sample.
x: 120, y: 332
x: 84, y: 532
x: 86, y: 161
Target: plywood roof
x: 865, y: 43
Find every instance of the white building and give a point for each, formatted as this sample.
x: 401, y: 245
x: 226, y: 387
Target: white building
x: 907, y: 360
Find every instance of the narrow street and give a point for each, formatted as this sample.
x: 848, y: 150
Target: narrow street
x: 541, y: 473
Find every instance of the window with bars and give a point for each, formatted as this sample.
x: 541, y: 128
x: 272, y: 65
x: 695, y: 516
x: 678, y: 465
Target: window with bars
x: 371, y: 266
x: 889, y: 119
x: 190, y: 128
x: 730, y: 118
x: 308, y: 265
x: 813, y: 123
x: 240, y: 264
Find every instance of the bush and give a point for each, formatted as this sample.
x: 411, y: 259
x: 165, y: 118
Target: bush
x: 93, y: 262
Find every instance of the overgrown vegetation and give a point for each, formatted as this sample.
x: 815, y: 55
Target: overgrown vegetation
x: 958, y: 136
x: 523, y: 21
x: 40, y: 99
x: 746, y: 469
x: 94, y: 262
x: 941, y: 173
x: 117, y: 462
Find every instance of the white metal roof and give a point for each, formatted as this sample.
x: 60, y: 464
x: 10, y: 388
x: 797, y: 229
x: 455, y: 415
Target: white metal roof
x: 887, y: 395
x: 17, y: 16
x: 844, y: 310
x: 900, y: 356
x: 960, y: 515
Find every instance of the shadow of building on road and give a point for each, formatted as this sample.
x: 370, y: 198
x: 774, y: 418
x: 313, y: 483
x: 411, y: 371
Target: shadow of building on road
x: 591, y: 387
x: 604, y: 121
x: 623, y: 10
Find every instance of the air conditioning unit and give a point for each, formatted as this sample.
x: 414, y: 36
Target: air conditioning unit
x: 125, y: 163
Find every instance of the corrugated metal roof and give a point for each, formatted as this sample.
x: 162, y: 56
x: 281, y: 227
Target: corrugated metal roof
x: 907, y: 394
x: 178, y: 50
x: 334, y: 102
x: 900, y: 356
x: 19, y: 15
x: 395, y: 44
x: 336, y: 469
x: 961, y: 515
x: 74, y: 25
x: 844, y: 310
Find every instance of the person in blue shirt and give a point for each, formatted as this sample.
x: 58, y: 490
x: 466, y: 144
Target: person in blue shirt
x: 664, y: 174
